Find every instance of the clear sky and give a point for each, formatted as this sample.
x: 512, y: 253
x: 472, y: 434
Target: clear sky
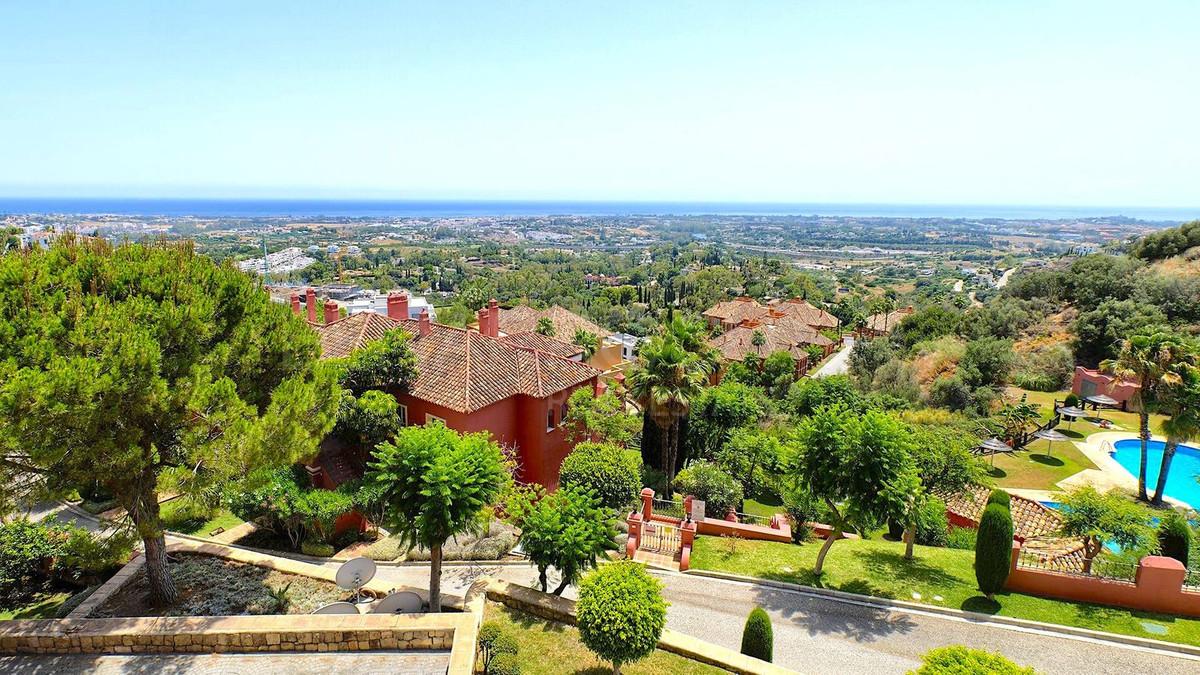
x: 963, y: 101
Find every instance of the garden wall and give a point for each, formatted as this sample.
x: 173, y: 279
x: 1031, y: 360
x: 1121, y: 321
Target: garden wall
x: 1158, y: 586
x: 172, y: 635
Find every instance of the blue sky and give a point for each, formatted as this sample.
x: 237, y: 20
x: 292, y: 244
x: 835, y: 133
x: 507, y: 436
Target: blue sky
x: 924, y: 102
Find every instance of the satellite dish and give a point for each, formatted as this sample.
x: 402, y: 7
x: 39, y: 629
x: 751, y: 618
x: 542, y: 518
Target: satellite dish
x: 354, y: 574
x: 404, y: 602
x: 337, y: 608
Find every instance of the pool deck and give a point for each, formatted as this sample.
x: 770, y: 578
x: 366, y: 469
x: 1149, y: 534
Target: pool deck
x: 1108, y: 474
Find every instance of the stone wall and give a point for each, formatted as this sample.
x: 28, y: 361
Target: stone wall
x: 287, y: 633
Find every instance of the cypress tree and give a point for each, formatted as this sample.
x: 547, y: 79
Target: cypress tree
x: 758, y: 639
x: 1175, y: 537
x: 993, y: 549
x: 1001, y: 497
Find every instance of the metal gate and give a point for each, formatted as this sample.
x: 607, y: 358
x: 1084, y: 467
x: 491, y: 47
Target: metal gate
x: 659, y: 537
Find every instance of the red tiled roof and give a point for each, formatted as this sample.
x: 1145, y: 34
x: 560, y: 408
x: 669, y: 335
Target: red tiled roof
x: 534, y: 340
x: 458, y: 368
x: 738, y: 342
x: 524, y: 319
x: 1030, y: 519
x: 747, y: 309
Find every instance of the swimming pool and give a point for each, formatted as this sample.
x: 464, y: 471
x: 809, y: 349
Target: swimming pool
x: 1181, y: 482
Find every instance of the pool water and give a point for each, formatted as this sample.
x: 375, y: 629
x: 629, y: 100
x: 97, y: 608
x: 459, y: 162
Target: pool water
x: 1185, y: 467
x: 1112, y: 546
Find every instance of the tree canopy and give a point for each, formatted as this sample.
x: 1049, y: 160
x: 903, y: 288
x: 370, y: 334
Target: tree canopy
x: 140, y: 364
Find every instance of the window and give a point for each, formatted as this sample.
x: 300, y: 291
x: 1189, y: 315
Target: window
x: 562, y: 415
x: 430, y: 419
x: 550, y: 419
x: 402, y: 413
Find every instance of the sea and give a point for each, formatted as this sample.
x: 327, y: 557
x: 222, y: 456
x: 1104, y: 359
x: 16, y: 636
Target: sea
x: 399, y: 208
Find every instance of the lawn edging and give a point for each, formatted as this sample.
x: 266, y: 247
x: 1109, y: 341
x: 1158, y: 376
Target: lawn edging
x: 974, y: 617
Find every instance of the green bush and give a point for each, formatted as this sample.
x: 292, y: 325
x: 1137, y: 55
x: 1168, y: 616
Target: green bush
x: 1071, y: 401
x: 962, y: 538
x: 284, y: 502
x: 758, y: 639
x: 993, y: 549
x: 386, y: 549
x: 34, y: 554
x: 802, y: 510
x: 620, y: 612
x: 317, y: 549
x: 706, y: 481
x: 26, y: 548
x: 932, y: 526
x: 998, y: 496
x: 504, y: 664
x: 611, y: 472
x: 959, y: 660
x: 1175, y: 537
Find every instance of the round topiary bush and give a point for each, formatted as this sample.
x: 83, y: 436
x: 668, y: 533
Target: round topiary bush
x: 758, y: 639
x: 611, y: 472
x: 621, y: 612
x: 993, y: 549
x: 1001, y: 497
x: 720, y: 492
x: 960, y: 660
x: 1175, y: 537
x: 504, y: 664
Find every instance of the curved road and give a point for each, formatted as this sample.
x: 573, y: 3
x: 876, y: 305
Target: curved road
x: 819, y: 634
x: 839, y: 363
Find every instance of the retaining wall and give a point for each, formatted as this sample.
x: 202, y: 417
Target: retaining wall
x: 1157, y: 586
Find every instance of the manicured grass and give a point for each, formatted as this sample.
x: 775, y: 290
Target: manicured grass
x: 765, y: 505
x: 42, y: 607
x: 877, y: 568
x: 177, y: 518
x: 550, y: 648
x: 1127, y: 421
x: 1033, y: 469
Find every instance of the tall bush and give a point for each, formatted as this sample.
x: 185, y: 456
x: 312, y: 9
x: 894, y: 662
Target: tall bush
x: 960, y: 660
x: 758, y: 639
x: 1175, y: 537
x: 993, y: 549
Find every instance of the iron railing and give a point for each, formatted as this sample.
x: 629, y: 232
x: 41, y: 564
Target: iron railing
x: 1103, y: 567
x: 668, y: 507
x: 1192, y: 580
x: 752, y: 519
x: 659, y: 537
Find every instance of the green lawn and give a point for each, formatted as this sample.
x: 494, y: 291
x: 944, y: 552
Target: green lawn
x: 938, y: 576
x: 1033, y: 469
x: 765, y: 505
x: 552, y: 648
x: 176, y: 517
x: 43, y: 607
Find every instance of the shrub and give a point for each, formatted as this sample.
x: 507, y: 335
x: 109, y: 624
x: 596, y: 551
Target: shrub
x: 962, y: 538
x: 998, y: 496
x: 621, y: 612
x: 1175, y: 537
x: 993, y: 549
x: 802, y: 510
x: 282, y: 501
x: 932, y: 526
x: 317, y: 549
x: 386, y: 549
x: 959, y: 660
x: 25, y: 549
x: 758, y: 640
x: 706, y: 481
x: 608, y: 471
x: 504, y: 664
x: 1071, y: 401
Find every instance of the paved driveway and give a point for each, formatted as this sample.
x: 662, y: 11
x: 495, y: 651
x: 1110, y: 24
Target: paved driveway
x: 839, y: 363
x: 817, y: 634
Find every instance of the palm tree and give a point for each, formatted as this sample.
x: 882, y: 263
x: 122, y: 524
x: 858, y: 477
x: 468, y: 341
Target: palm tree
x: 545, y: 327
x: 1181, y: 404
x: 587, y: 341
x: 1145, y: 358
x: 693, y: 337
x: 666, y: 381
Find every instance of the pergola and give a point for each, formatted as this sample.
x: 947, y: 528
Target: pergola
x: 1051, y: 436
x: 992, y: 446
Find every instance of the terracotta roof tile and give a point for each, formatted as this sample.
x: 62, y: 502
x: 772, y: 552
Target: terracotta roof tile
x: 524, y: 319
x: 458, y: 368
x: 533, y: 340
x: 1031, y: 520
